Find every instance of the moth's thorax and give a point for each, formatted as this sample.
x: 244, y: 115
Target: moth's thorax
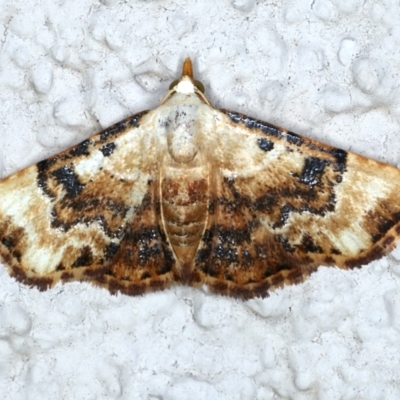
x: 182, y: 133
x: 184, y: 180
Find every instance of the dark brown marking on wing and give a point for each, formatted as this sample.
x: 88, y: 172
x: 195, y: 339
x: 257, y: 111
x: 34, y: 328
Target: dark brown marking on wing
x: 67, y: 276
x: 66, y: 177
x: 251, y: 123
x: 85, y: 258
x: 111, y: 250
x: 81, y: 149
x: 43, y: 168
x: 42, y: 283
x: 308, y: 246
x: 374, y: 253
x: 97, y: 273
x: 113, y: 130
x: 60, y: 267
x: 108, y: 149
x: 14, y: 239
x: 381, y: 220
x: 265, y: 144
x: 116, y: 129
x: 312, y: 171
x: 294, y: 138
x: 340, y: 157
x: 388, y: 241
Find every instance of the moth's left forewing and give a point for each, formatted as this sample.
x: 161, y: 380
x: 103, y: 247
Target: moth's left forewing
x: 67, y: 217
x: 282, y: 205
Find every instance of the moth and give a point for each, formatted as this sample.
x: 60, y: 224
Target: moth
x: 188, y: 194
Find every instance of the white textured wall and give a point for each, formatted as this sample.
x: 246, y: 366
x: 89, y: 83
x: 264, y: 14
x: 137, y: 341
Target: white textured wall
x: 325, y: 69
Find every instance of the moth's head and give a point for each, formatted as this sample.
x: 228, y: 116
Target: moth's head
x: 186, y: 84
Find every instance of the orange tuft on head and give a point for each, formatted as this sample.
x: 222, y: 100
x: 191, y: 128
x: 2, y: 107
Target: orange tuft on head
x: 187, y: 68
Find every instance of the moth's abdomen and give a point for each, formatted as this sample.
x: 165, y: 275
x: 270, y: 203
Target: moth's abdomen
x: 184, y: 202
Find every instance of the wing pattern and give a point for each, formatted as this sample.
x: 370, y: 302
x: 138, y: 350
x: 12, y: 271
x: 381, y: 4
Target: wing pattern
x: 283, y: 205
x: 89, y: 213
x: 189, y: 194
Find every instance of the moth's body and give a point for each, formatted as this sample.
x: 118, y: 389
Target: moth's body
x: 184, y: 177
x: 189, y: 194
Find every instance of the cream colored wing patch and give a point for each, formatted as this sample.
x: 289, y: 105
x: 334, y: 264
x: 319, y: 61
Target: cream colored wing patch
x: 192, y: 195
